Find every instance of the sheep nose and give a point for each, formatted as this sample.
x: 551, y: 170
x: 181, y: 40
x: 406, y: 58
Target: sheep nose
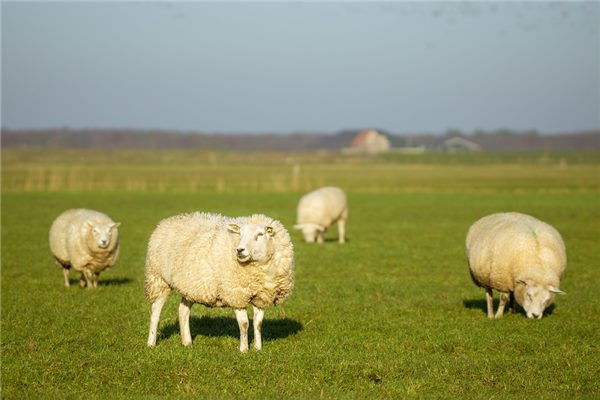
x: 534, y: 315
x: 240, y: 250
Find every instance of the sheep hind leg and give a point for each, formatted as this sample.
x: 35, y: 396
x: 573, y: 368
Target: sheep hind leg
x: 342, y: 230
x: 489, y: 297
x: 242, y: 318
x: 503, y: 300
x: 342, y: 226
x: 257, y: 319
x: 155, y: 317
x: 185, y: 306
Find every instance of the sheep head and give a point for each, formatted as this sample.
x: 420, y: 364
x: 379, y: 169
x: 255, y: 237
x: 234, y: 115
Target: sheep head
x: 535, y: 297
x: 255, y: 242
x: 102, y: 234
x: 310, y: 231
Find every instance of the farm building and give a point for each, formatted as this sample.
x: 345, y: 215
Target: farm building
x: 458, y: 144
x: 369, y: 141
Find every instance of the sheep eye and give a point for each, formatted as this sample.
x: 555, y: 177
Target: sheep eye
x: 259, y: 234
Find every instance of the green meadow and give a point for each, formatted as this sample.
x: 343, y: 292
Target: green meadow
x: 390, y: 314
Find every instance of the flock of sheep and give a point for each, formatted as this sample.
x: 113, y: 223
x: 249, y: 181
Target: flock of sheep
x: 220, y: 261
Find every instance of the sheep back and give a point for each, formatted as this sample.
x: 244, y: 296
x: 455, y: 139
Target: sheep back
x: 195, y: 255
x: 503, y: 248
x: 323, y: 206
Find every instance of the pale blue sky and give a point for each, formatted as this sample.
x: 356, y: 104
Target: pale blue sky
x: 297, y: 67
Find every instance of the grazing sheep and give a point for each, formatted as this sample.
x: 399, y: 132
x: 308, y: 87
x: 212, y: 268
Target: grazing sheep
x: 86, y: 240
x: 318, y: 210
x: 518, y: 255
x: 219, y: 262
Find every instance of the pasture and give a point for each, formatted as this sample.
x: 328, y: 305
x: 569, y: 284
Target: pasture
x: 390, y: 314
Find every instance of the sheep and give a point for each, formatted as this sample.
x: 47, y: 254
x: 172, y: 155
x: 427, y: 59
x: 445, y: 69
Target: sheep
x: 86, y: 240
x: 218, y: 261
x: 318, y: 210
x: 521, y: 257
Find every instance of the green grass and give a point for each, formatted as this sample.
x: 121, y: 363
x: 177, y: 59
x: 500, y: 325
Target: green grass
x: 390, y: 314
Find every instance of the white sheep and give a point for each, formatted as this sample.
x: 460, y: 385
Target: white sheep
x: 520, y: 256
x: 219, y: 262
x: 320, y: 209
x: 86, y: 240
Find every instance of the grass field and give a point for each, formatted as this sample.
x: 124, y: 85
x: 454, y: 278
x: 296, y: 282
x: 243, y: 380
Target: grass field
x: 390, y: 314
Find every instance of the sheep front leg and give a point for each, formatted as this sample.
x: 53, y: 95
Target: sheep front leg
x: 95, y: 278
x: 66, y: 275
x: 88, y: 275
x: 503, y: 300
x: 242, y: 318
x: 154, y: 318
x: 320, y: 236
x: 257, y: 320
x: 185, y: 307
x: 511, y: 303
x: 489, y: 296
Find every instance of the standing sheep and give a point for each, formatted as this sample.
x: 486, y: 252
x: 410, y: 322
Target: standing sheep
x: 86, y: 240
x: 518, y: 255
x: 219, y: 262
x: 320, y: 209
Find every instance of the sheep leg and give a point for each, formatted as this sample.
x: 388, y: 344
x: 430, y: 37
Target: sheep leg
x: 320, y: 236
x: 88, y: 275
x: 65, y: 268
x: 66, y: 275
x: 503, y: 300
x: 185, y: 307
x: 242, y: 318
x: 511, y: 303
x: 489, y: 296
x: 95, y: 277
x: 342, y: 230
x: 257, y: 320
x: 154, y: 318
x: 342, y: 226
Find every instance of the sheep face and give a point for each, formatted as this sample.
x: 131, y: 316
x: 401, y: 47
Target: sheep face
x: 255, y: 242
x: 310, y: 231
x: 535, y: 298
x: 102, y: 233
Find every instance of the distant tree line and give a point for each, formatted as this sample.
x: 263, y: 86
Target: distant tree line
x: 493, y: 141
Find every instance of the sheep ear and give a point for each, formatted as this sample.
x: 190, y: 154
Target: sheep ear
x: 88, y: 224
x: 556, y: 290
x: 523, y: 282
x: 270, y: 231
x: 233, y: 228
x: 298, y: 226
x: 319, y: 228
x: 115, y: 225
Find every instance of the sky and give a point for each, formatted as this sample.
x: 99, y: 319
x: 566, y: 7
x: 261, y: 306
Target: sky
x: 284, y: 67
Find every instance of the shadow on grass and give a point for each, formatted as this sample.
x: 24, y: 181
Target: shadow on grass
x: 335, y: 240
x: 114, y: 281
x: 272, y: 329
x: 105, y: 282
x: 482, y: 305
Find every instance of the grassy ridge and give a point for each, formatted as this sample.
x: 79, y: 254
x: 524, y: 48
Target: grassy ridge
x: 391, y: 314
x: 193, y: 171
